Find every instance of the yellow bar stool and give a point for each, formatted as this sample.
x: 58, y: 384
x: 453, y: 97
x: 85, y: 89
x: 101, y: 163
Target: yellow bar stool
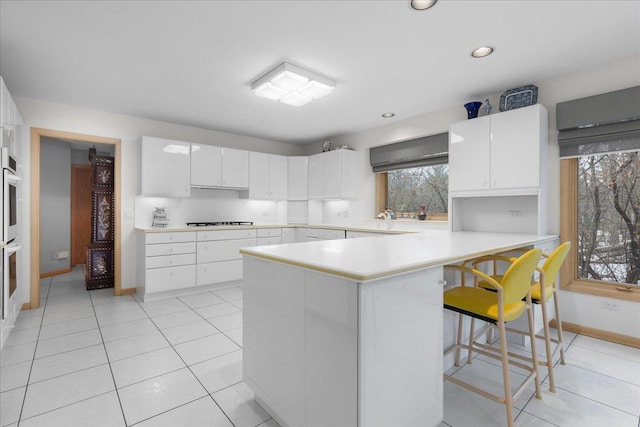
x: 511, y: 299
x: 542, y: 290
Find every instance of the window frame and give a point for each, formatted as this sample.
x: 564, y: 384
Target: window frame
x: 569, y: 280
x: 382, y: 197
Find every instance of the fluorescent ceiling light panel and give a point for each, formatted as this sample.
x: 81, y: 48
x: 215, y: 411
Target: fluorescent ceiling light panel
x: 270, y: 91
x: 315, y: 89
x: 289, y: 81
x: 292, y: 85
x: 296, y: 99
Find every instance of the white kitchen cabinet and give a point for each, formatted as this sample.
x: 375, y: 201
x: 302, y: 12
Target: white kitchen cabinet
x: 235, y: 168
x: 10, y: 122
x: 498, y: 172
x: 297, y: 177
x: 277, y: 177
x: 258, y: 176
x: 332, y: 175
x: 169, y: 262
x: 206, y: 165
x: 165, y: 168
x: 316, y: 176
x: 219, y: 167
x: 267, y: 177
x: 324, y: 234
x: 218, y: 255
x: 498, y: 152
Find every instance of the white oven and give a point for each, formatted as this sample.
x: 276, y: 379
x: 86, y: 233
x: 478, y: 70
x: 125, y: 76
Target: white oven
x: 10, y: 182
x: 9, y: 276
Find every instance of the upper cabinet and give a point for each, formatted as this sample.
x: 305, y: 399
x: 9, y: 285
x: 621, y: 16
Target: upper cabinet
x: 267, y: 177
x: 332, y: 175
x: 498, y: 152
x: 297, y: 177
x: 218, y: 167
x: 164, y: 168
x: 11, y: 123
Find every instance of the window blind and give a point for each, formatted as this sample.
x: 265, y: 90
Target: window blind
x: 599, y: 124
x: 425, y: 151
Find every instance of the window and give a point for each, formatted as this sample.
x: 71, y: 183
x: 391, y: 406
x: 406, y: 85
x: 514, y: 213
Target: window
x: 408, y: 191
x: 600, y: 213
x: 609, y: 217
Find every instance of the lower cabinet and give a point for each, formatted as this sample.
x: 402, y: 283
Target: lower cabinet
x: 219, y: 272
x: 170, y: 278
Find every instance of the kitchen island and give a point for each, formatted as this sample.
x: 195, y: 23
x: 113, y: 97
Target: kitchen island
x: 350, y: 332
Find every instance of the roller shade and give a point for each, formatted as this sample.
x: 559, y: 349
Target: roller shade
x: 425, y: 151
x: 599, y: 124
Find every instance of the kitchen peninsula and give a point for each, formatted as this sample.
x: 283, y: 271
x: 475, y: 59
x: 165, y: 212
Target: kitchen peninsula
x: 349, y: 332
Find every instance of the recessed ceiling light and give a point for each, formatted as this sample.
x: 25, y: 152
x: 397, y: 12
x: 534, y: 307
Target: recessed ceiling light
x: 482, y: 51
x: 388, y: 115
x: 422, y: 4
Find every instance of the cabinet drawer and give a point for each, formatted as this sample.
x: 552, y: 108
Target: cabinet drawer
x: 170, y: 260
x: 268, y: 232
x: 170, y: 249
x: 322, y: 234
x: 219, y: 272
x: 223, y: 250
x: 245, y: 233
x: 177, y: 237
x: 170, y: 278
x: 260, y: 241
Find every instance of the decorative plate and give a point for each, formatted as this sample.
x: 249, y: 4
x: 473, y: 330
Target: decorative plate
x: 519, y: 97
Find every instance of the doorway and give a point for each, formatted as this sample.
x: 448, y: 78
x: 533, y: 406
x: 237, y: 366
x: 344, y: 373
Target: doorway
x: 39, y: 137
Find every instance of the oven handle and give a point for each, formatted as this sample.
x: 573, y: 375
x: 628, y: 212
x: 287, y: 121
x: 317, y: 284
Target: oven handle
x: 14, y: 178
x: 12, y: 248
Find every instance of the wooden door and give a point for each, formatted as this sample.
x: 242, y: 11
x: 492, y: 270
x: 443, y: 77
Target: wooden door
x: 81, y: 177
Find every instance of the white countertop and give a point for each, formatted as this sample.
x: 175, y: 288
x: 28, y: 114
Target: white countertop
x: 240, y: 227
x: 374, y: 257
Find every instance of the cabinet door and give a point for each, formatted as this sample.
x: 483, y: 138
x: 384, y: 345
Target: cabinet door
x: 316, y: 176
x: 277, y: 177
x: 333, y: 174
x: 469, y: 154
x: 297, y: 177
x: 349, y: 166
x: 165, y: 167
x: 258, y: 175
x: 515, y: 148
x: 235, y: 168
x: 206, y: 163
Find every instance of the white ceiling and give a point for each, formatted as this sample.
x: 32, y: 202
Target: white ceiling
x: 192, y: 63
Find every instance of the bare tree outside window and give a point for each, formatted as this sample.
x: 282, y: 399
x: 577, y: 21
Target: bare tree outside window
x: 427, y: 186
x: 609, y: 217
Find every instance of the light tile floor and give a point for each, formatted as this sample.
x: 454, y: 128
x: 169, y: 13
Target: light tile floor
x: 89, y: 358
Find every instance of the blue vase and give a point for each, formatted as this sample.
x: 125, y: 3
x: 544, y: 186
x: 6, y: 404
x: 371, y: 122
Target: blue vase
x: 472, y: 109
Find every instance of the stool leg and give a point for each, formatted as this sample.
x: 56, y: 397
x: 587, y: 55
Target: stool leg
x: 508, y: 399
x: 459, y: 339
x: 534, y: 354
x: 471, y: 328
x: 547, y: 343
x: 559, y: 325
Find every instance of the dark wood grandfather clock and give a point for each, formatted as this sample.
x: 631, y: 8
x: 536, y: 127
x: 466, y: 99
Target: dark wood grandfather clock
x: 100, y: 256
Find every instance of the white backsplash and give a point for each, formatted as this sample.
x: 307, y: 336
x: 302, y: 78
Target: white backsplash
x: 210, y: 205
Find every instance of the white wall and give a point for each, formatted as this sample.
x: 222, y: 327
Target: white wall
x: 128, y: 129
x: 55, y: 204
x: 581, y: 309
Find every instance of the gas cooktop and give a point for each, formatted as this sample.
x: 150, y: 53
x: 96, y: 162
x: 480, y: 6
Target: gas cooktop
x: 217, y: 223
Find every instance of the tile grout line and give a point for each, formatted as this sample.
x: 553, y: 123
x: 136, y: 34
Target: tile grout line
x: 189, y: 367
x: 115, y: 386
x: 33, y: 359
